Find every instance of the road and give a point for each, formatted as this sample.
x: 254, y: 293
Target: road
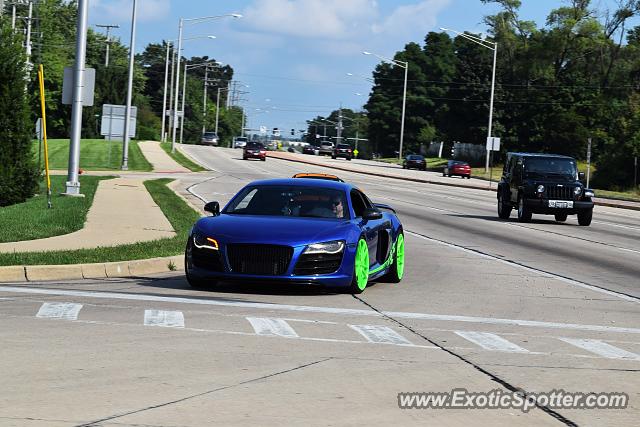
x: 485, y: 304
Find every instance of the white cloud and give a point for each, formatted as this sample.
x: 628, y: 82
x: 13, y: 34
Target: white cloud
x: 119, y: 11
x: 420, y: 17
x: 334, y: 19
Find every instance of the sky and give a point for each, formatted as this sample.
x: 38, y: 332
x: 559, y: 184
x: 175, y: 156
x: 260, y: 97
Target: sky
x: 294, y: 55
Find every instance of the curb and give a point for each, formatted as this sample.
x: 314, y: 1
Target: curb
x: 277, y: 155
x: 136, y: 268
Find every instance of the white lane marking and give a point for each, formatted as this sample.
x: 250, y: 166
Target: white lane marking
x: 269, y: 326
x: 324, y: 310
x: 601, y: 348
x: 380, y: 334
x: 165, y: 319
x: 490, y: 341
x: 59, y: 310
x: 611, y: 224
x: 528, y: 269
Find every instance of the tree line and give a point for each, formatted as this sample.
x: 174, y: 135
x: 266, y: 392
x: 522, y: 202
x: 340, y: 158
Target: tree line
x: 557, y: 85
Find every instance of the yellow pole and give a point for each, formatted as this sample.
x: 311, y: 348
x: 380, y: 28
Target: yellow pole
x: 44, y: 132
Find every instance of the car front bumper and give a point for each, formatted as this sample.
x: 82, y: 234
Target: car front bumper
x: 541, y: 206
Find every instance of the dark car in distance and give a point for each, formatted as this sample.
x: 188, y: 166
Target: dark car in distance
x: 310, y: 149
x: 209, y: 138
x: 544, y: 184
x: 342, y: 150
x: 414, y: 161
x: 457, y: 168
x: 254, y: 150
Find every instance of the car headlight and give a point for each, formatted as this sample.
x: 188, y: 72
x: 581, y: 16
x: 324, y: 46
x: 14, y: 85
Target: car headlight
x: 589, y: 193
x: 333, y: 247
x: 203, y: 242
x: 540, y: 189
x: 577, y: 191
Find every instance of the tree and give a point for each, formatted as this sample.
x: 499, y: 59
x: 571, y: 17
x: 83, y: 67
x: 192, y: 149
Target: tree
x: 18, y: 174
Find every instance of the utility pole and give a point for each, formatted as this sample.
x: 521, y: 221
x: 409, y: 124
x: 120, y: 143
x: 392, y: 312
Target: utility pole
x: 339, y: 133
x: 204, y: 99
x: 127, y: 111
x: 108, y: 27
x: 73, y: 184
x: 218, y: 109
x: 184, y: 96
x: 173, y: 61
x: 28, y: 40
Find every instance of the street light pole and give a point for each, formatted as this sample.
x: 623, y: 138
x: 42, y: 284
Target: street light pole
x: 405, y: 65
x: 494, y: 47
x: 184, y: 95
x: 204, y: 99
x: 127, y: 112
x: 164, y: 94
x: 73, y: 184
x: 175, y: 105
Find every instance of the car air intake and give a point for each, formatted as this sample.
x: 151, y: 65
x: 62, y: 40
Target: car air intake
x: 561, y: 192
x: 207, y: 259
x: 262, y: 260
x: 312, y: 264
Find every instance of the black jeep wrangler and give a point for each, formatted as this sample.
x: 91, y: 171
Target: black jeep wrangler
x: 545, y: 184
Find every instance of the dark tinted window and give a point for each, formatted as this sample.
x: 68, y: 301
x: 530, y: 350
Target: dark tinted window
x: 344, y: 146
x: 550, y: 166
x: 359, y: 205
x: 290, y: 201
x: 415, y: 157
x: 254, y: 145
x: 210, y: 135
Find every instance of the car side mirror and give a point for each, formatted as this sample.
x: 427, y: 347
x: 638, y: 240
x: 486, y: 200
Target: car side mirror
x: 213, y: 208
x: 370, y: 214
x: 581, y: 176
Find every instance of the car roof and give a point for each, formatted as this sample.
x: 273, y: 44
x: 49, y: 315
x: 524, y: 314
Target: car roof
x: 541, y: 155
x: 306, y: 182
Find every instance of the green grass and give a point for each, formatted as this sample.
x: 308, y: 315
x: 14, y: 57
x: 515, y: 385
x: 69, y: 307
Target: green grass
x: 180, y: 215
x: 33, y: 220
x: 95, y: 154
x: 181, y: 158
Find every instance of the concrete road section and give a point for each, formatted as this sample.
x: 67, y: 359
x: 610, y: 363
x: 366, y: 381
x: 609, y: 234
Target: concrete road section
x: 486, y: 305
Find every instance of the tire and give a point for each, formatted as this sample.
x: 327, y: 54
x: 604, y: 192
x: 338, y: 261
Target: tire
x: 264, y: 159
x: 349, y: 158
x: 524, y: 214
x: 584, y: 217
x: 396, y: 270
x: 561, y: 217
x: 504, y: 210
x: 244, y: 158
x: 360, y: 268
x: 333, y: 157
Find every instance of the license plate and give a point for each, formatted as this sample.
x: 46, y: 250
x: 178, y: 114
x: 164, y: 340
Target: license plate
x: 560, y: 204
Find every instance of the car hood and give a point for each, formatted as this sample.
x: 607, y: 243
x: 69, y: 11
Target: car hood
x: 273, y: 230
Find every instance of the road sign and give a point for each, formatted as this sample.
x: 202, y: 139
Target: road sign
x: 493, y: 143
x: 355, y: 152
x: 112, y: 124
x: 263, y: 129
x: 87, y: 90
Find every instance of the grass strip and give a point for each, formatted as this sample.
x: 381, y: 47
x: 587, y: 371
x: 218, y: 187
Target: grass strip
x: 95, y: 154
x: 178, y: 212
x: 32, y: 219
x: 181, y: 158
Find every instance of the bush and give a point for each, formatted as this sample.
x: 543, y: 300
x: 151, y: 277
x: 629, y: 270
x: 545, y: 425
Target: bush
x: 18, y: 173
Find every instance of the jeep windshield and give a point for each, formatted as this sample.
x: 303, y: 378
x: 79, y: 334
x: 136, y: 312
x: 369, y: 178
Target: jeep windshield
x: 551, y: 168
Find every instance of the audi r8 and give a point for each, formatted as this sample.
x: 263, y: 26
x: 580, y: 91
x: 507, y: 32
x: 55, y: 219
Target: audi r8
x: 297, y: 230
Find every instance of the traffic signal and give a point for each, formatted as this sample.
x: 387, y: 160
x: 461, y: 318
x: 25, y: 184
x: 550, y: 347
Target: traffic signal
x: 293, y: 132
x: 276, y: 132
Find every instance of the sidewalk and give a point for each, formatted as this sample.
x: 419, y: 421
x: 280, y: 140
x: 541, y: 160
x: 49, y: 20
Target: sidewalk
x: 123, y: 212
x: 396, y: 172
x: 159, y: 159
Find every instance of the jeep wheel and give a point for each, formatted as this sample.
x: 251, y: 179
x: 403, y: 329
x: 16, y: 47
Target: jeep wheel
x: 504, y: 210
x: 584, y: 217
x: 561, y: 217
x: 524, y: 214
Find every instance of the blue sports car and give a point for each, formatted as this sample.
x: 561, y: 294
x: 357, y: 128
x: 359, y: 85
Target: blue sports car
x: 297, y: 230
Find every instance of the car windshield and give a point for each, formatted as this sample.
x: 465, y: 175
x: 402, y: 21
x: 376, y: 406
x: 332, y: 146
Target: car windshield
x: 344, y: 146
x: 255, y: 145
x: 551, y: 167
x: 241, y: 139
x: 289, y: 201
x: 210, y: 135
x: 415, y: 157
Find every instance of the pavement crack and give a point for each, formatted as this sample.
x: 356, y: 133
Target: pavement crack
x: 475, y: 366
x: 204, y: 393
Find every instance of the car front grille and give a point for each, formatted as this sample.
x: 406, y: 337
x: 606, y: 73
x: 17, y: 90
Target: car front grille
x: 309, y: 265
x: 207, y: 259
x: 562, y: 192
x: 263, y: 260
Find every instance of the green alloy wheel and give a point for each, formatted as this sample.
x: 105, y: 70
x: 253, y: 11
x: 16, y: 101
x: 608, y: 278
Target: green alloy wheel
x: 396, y: 270
x: 361, y: 268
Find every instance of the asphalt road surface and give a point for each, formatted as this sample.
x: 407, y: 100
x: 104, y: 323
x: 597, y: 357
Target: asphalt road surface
x: 485, y: 304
